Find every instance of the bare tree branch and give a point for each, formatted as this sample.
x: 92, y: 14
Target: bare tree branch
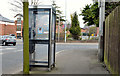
x: 15, y: 10
x: 20, y: 3
x: 16, y: 5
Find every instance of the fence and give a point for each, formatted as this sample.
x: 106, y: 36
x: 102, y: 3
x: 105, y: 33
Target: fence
x: 112, y: 41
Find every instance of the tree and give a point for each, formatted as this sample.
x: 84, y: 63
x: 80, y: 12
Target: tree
x: 110, y: 6
x: 17, y: 5
x: 92, y: 30
x: 91, y: 12
x: 75, y: 28
x: 58, y: 12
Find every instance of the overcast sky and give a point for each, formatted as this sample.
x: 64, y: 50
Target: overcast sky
x: 72, y: 6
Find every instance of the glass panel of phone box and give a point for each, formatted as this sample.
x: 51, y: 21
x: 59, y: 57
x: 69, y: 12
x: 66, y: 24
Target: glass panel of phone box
x: 40, y: 20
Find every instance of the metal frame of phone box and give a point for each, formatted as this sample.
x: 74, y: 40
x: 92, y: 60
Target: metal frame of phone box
x: 48, y: 42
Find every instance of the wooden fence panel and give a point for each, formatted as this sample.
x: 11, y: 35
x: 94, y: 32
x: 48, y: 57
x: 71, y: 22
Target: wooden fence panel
x: 112, y: 41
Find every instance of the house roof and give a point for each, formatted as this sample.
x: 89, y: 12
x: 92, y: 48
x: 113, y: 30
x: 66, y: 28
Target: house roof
x: 83, y: 30
x: 4, y: 19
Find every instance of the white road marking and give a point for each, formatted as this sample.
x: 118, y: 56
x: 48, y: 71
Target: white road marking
x: 11, y: 52
x: 18, y: 50
x: 6, y: 49
x: 59, y: 52
x: 79, y: 43
x: 10, y: 48
x: 1, y: 53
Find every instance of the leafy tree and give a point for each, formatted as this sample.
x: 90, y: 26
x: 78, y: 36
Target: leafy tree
x: 91, y: 12
x: 58, y: 12
x: 71, y: 18
x: 75, y: 28
x: 92, y: 30
x: 110, y: 6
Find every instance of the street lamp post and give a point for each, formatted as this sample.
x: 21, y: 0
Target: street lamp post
x: 65, y: 18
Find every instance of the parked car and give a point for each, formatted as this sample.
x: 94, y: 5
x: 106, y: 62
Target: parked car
x: 9, y: 40
x: 12, y: 34
x: 19, y: 37
x: 1, y: 39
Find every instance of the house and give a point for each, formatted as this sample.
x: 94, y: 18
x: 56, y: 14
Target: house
x: 84, y: 32
x: 7, y: 26
x: 97, y: 31
x: 87, y: 30
x: 19, y: 25
x: 60, y: 29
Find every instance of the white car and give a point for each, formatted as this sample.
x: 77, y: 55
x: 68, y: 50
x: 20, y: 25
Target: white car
x: 9, y: 40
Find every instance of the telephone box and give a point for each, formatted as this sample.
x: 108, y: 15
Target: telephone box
x: 42, y: 28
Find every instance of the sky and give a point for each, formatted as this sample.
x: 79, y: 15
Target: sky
x: 71, y: 7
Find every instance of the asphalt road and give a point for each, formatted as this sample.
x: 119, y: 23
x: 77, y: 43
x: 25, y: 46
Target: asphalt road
x: 12, y: 56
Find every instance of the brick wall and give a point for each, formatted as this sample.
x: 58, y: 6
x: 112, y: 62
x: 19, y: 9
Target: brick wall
x: 10, y: 29
x: 60, y: 28
x: 21, y: 26
x: 6, y: 29
x: 1, y: 29
x: 97, y: 30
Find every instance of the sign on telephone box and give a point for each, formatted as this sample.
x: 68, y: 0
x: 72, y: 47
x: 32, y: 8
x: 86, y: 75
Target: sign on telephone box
x: 40, y: 30
x: 42, y: 23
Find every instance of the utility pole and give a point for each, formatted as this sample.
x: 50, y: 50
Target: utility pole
x: 101, y: 22
x: 59, y: 30
x: 25, y: 37
x: 65, y: 18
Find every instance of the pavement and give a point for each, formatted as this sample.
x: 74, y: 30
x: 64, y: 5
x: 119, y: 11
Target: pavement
x: 82, y: 61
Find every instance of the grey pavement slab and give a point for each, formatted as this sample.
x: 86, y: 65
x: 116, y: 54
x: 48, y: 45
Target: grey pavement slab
x: 82, y: 61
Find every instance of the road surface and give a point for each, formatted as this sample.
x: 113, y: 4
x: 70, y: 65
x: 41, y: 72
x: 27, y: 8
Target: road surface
x: 12, y: 56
